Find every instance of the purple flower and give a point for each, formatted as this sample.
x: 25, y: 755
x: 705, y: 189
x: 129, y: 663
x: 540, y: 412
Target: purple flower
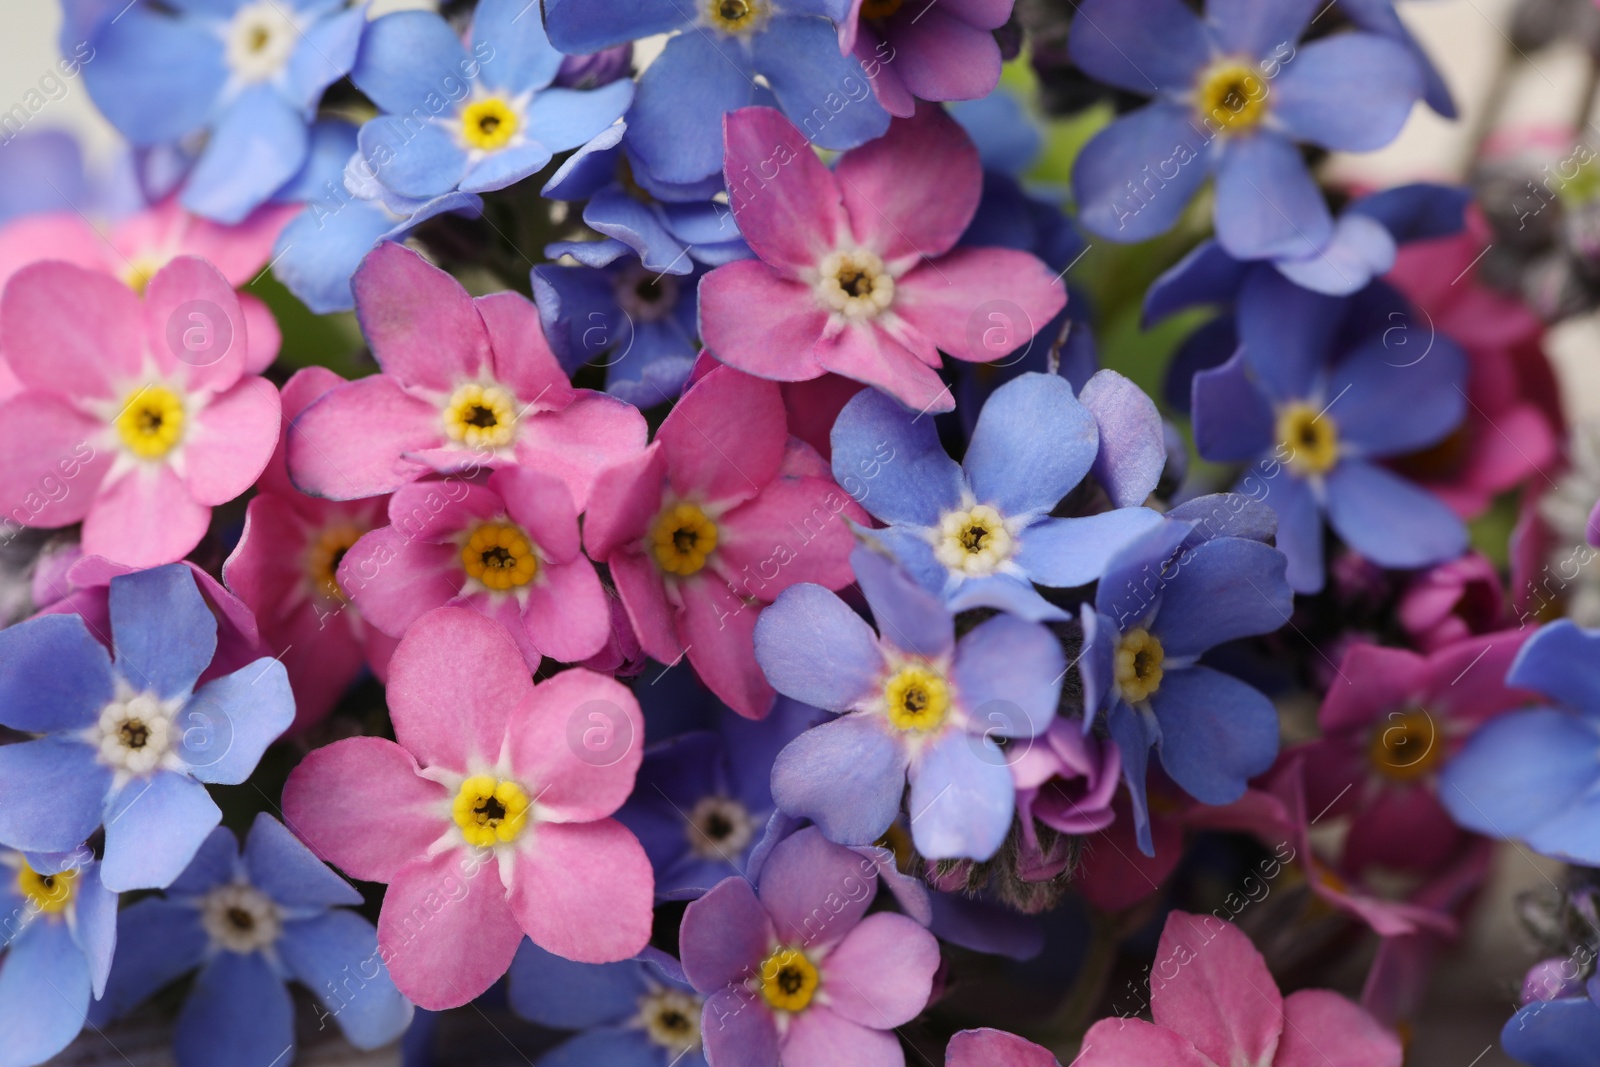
x: 929, y: 51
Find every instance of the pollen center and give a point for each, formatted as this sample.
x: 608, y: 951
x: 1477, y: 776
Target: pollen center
x: 140, y: 271
x: 737, y: 16
x: 719, y: 828
x: 260, y: 41
x: 240, y: 918
x: 789, y: 980
x: 682, y: 539
x: 151, y: 421
x: 46, y: 893
x: 1405, y: 746
x: 1138, y: 664
x: 500, y: 555
x: 974, y: 541
x: 490, y: 811
x: 325, y: 555
x: 488, y: 124
x: 1231, y: 97
x: 1309, y: 437
x: 671, y: 1018
x: 854, y: 284
x: 917, y: 698
x: 481, y: 416
x: 134, y: 733
x: 879, y: 9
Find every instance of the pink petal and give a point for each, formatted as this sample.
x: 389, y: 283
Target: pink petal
x: 984, y: 14
x: 395, y: 579
x: 239, y: 252
x: 1322, y: 1029
x: 361, y: 805
x: 725, y: 439
x: 785, y: 201
x: 795, y: 531
x: 506, y: 611
x: 813, y: 407
x: 887, y: 85
x: 995, y: 1048
x: 541, y: 505
x: 1405, y: 828
x: 351, y: 441
x: 1211, y: 986
x: 1374, y: 680
x: 949, y: 300
x: 584, y: 891
x: 264, y: 569
x: 1467, y: 679
x: 420, y: 322
x: 912, y: 192
x: 577, y: 742
x: 58, y: 235
x: 68, y: 330
x: 644, y: 595
x: 445, y: 930
x: 627, y: 498
x: 438, y: 511
x: 806, y: 872
x: 322, y: 654
x: 145, y: 518
x: 264, y: 336
x: 868, y: 354
x: 452, y: 685
x: 566, y: 615
x: 718, y: 630
x: 725, y: 935
x: 303, y: 387
x: 820, y: 1037
x: 943, y: 57
x: 753, y: 318
x: 232, y: 440
x: 881, y: 974
x: 1117, y: 1042
x: 55, y: 457
x: 576, y: 443
x: 194, y: 328
x: 522, y: 358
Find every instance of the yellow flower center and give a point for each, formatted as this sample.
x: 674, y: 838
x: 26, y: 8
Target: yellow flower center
x: 1405, y: 747
x: 974, y: 542
x: 897, y: 839
x: 1231, y: 97
x: 481, y: 416
x: 151, y: 422
x: 140, y: 271
x: 325, y: 555
x: 682, y: 539
x: 671, y: 1018
x: 736, y: 16
x: 917, y: 698
x: 500, y: 555
x: 879, y: 9
x: 490, y: 810
x: 46, y: 893
x: 1310, y: 439
x: 488, y: 124
x: 854, y: 284
x: 789, y: 980
x: 1138, y: 664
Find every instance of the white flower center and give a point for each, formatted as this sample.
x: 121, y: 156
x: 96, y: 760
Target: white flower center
x: 260, y: 40
x: 974, y: 542
x: 719, y: 828
x: 135, y: 733
x: 854, y: 284
x: 240, y: 918
x: 671, y: 1018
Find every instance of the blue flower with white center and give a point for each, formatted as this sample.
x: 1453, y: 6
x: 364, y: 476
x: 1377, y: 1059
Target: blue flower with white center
x: 128, y: 741
x: 1234, y: 93
x: 252, y: 923
x: 248, y: 74
x: 637, y: 1013
x: 58, y: 930
x: 711, y: 67
x: 1194, y: 582
x: 1314, y: 408
x: 981, y: 534
x: 914, y: 704
x: 471, y: 117
x: 640, y: 325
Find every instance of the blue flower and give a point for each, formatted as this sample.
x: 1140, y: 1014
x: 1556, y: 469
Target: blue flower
x: 58, y: 935
x: 914, y: 704
x: 1234, y: 93
x: 981, y: 534
x: 1203, y: 577
x: 251, y: 924
x: 246, y: 73
x: 128, y: 741
x: 710, y: 69
x: 474, y: 120
x: 1554, y: 1033
x: 43, y: 172
x: 1379, y: 16
x: 631, y: 1014
x: 1315, y: 406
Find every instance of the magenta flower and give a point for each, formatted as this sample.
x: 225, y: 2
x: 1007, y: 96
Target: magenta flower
x: 466, y: 384
x: 1214, y: 1002
x: 859, y: 273
x: 488, y: 821
x: 995, y: 1048
x: 719, y: 515
x: 508, y: 549
x: 1451, y: 602
x: 285, y: 568
x: 926, y: 51
x: 795, y: 972
x: 1066, y: 780
x: 137, y: 416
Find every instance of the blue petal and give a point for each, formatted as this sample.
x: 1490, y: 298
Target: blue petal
x: 1232, y: 420
x: 57, y: 677
x: 258, y: 145
x: 1096, y: 660
x: 911, y: 549
x: 566, y: 118
x: 579, y: 27
x: 1135, y: 178
x: 94, y: 911
x: 578, y: 310
x: 1008, y: 675
x: 1144, y: 47
x: 1389, y: 520
x: 589, y: 169
x: 847, y: 776
x: 335, y: 955
x: 1131, y: 587
x: 1561, y: 662
x: 1553, y: 1033
x: 1254, y: 28
x: 405, y: 57
x: 1033, y: 444
x: 801, y: 61
x: 976, y: 924
x: 753, y: 745
x: 1417, y: 211
x: 44, y: 994
x: 160, y: 940
x: 154, y: 827
x: 1379, y: 16
x: 1387, y: 403
x: 891, y: 462
x: 1003, y: 592
x: 1063, y: 553
x: 908, y: 617
x: 51, y: 794
x: 812, y: 647
x: 333, y: 142
x: 1133, y: 449
x: 320, y: 249
x: 590, y: 253
x: 1287, y: 333
x: 162, y: 632
x: 420, y: 163
x: 1521, y: 771
x: 1299, y: 523
x: 564, y: 995
x: 522, y: 56
x: 1351, y: 92
x: 1227, y: 515
x: 705, y: 223
x: 1216, y: 732
x: 675, y: 126
x: 630, y: 1047
x: 229, y: 723
x: 505, y: 167
x: 615, y: 213
x: 238, y: 1012
x: 1360, y: 250
x: 1207, y: 275
x: 215, y: 863
x: 155, y: 77
x: 1008, y: 140
x: 287, y: 871
x: 325, y: 54
x: 1267, y: 203
x: 1132, y: 733
x: 962, y: 798
x: 1224, y: 589
x: 1212, y: 345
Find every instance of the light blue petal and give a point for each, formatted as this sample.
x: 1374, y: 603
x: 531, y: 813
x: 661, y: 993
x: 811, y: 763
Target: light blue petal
x: 1553, y: 1033
x: 566, y: 118
x: 54, y: 675
x: 238, y: 1012
x: 1386, y: 403
x: 406, y: 56
x: 962, y: 798
x: 812, y: 647
x: 1521, y: 772
x: 908, y: 616
x: 1216, y: 732
x: 1351, y: 92
x: 1008, y: 675
x: 1254, y: 28
x: 1226, y: 515
x: 1267, y: 203
x: 231, y: 720
x: 1095, y: 661
x: 258, y: 145
x: 616, y: 213
x: 523, y: 56
x: 589, y: 169
x: 335, y: 955
x: 1287, y: 333
x: 94, y: 909
x: 215, y: 863
x: 1143, y: 48
x: 891, y: 462
x: 160, y: 940
x: 1360, y: 250
x: 1033, y: 444
x: 154, y: 827
x: 287, y: 871
x: 1417, y: 211
x: 675, y: 126
x: 1133, y: 448
x: 44, y: 994
x: 321, y: 248
x: 1135, y: 178
x: 580, y: 27
x: 1063, y: 553
x: 325, y: 54
x: 1224, y: 589
x: 421, y: 161
x: 827, y: 95
x: 847, y: 776
x: 565, y: 995
x: 1003, y: 592
x: 1131, y: 588
x: 1207, y: 275
x: 1389, y: 520
x: 1131, y: 731
x: 505, y: 167
x: 1299, y: 515
x: 51, y: 794
x: 163, y: 634
x: 631, y: 1047
x: 1563, y: 662
x: 155, y: 77
x: 1233, y: 422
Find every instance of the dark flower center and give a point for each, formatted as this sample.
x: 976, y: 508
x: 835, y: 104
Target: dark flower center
x: 478, y: 415
x: 134, y: 733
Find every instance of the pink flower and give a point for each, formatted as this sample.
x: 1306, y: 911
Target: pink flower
x: 487, y: 819
x: 285, y: 567
x: 1066, y: 781
x: 1453, y: 601
x: 1214, y: 1002
x: 507, y: 548
x: 995, y: 1048
x: 466, y: 384
x: 859, y: 273
x: 719, y: 515
x: 137, y: 416
x: 918, y: 51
